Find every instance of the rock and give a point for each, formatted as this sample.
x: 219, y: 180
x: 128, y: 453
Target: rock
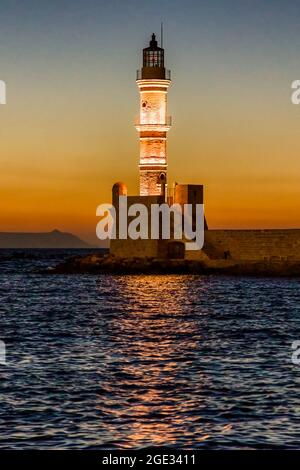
x: 100, y: 264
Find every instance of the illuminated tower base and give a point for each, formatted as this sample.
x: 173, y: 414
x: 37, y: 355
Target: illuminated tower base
x: 153, y: 81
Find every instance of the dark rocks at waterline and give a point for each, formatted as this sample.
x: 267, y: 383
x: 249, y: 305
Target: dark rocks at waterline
x: 99, y: 263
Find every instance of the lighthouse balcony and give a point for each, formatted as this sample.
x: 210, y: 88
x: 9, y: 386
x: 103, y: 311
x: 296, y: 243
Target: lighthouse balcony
x: 153, y: 73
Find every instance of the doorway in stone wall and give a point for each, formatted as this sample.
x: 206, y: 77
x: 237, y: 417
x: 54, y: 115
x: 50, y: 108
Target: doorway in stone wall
x: 176, y: 250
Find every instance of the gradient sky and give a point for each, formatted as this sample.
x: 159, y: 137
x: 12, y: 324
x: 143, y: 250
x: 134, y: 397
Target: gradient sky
x: 66, y: 133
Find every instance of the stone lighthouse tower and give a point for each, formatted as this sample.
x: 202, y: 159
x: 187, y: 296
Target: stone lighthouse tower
x: 153, y: 123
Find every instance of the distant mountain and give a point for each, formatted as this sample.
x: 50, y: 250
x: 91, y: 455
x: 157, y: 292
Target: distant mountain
x: 54, y: 239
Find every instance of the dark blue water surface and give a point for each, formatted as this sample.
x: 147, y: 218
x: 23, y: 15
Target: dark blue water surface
x: 132, y: 361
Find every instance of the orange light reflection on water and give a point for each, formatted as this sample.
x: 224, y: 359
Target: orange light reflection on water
x: 155, y: 344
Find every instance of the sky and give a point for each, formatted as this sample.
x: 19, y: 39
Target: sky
x: 67, y: 133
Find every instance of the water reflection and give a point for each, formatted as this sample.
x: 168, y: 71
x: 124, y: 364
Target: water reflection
x: 155, y: 344
x: 132, y: 361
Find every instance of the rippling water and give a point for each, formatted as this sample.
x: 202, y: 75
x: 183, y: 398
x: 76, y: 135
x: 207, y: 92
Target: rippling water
x: 133, y: 361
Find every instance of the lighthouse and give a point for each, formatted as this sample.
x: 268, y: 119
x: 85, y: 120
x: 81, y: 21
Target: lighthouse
x: 153, y: 122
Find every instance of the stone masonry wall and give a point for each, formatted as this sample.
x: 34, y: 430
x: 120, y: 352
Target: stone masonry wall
x: 243, y: 245
x: 253, y: 244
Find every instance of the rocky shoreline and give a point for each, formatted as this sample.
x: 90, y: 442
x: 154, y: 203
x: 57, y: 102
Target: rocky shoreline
x: 106, y: 264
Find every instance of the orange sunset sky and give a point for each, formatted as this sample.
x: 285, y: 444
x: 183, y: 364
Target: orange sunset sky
x: 67, y: 134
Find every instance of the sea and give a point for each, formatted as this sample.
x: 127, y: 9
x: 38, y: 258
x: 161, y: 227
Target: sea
x: 135, y: 361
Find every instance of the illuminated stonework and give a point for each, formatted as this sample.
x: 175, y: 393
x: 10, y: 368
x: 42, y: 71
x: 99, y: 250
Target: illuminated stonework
x: 153, y: 122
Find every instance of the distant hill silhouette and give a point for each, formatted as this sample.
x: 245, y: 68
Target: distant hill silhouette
x: 54, y: 239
